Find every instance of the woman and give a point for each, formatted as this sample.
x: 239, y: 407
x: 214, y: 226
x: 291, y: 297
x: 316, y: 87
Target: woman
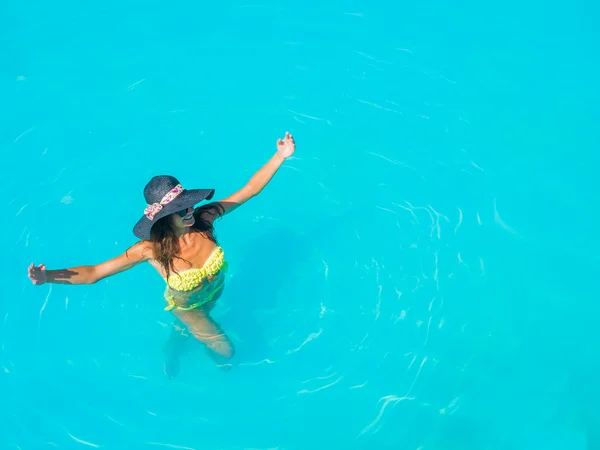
x: 179, y: 241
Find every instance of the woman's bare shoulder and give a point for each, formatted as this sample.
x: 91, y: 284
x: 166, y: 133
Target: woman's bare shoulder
x: 210, y: 211
x: 141, y: 250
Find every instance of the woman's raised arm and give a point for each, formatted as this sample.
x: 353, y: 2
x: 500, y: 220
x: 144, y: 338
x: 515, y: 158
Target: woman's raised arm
x: 285, y: 149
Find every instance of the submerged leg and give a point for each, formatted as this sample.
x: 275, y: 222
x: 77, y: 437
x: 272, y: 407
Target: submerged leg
x: 173, y: 348
x: 207, y: 331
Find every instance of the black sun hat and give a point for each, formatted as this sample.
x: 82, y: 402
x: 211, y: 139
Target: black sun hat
x: 165, y: 195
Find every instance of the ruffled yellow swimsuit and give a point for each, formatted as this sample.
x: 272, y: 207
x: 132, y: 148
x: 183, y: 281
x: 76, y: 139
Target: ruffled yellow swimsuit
x: 183, y: 285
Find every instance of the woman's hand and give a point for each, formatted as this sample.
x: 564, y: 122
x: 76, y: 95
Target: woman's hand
x: 286, y: 146
x: 37, y: 274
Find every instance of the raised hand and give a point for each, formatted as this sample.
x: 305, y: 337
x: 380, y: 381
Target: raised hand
x: 37, y: 275
x: 286, y: 146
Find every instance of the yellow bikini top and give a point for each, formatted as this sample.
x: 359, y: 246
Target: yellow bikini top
x: 192, y: 278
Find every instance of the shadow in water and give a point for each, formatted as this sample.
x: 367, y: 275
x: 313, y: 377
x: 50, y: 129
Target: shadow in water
x: 269, y: 262
x: 266, y: 264
x: 252, y: 296
x: 253, y: 292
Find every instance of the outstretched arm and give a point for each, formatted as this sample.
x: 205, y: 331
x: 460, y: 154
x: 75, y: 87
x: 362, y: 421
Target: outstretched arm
x: 285, y: 149
x: 91, y: 274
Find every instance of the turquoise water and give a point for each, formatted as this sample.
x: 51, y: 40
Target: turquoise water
x: 421, y: 275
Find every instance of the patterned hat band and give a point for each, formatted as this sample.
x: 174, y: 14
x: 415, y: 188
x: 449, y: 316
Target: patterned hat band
x: 152, y: 210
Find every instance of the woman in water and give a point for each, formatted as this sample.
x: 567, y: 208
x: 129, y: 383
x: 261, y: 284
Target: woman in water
x: 179, y: 242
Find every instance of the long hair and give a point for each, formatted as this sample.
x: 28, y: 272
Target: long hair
x: 165, y: 243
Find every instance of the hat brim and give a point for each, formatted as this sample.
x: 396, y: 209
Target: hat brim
x: 186, y: 199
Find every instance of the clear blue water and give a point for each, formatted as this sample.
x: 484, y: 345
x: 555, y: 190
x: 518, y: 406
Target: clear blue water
x: 420, y: 276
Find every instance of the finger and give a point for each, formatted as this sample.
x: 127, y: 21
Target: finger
x: 43, y: 266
